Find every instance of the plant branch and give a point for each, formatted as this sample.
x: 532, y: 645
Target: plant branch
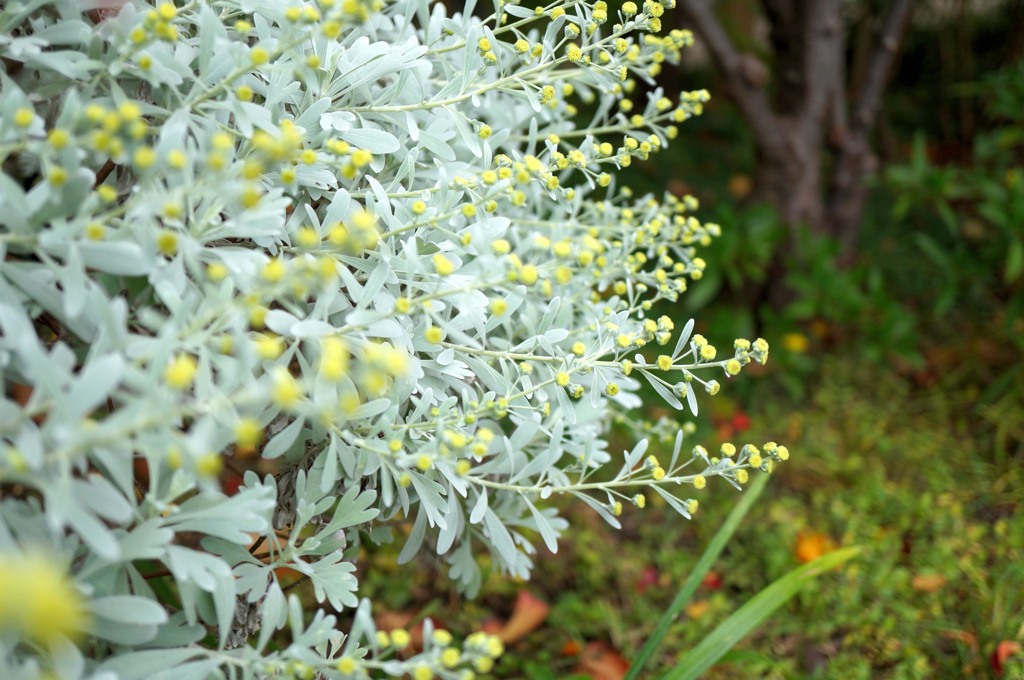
x: 750, y: 98
x: 869, y: 98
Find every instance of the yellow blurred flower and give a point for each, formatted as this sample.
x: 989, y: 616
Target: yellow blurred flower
x: 795, y: 342
x: 38, y: 600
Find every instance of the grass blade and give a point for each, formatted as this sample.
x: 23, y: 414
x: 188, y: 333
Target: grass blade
x: 752, y: 614
x: 707, y: 560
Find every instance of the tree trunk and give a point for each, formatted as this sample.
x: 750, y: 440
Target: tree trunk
x: 790, y: 181
x: 808, y: 126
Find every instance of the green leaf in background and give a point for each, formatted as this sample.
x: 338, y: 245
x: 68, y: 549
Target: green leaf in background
x: 707, y: 560
x: 1014, y: 261
x: 752, y: 614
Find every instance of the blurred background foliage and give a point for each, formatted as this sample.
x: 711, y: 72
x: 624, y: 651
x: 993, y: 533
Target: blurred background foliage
x: 896, y: 380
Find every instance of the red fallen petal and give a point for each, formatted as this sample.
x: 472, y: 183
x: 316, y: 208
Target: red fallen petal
x: 232, y: 484
x: 648, y: 578
x: 601, y: 663
x: 528, y: 613
x: 1004, y: 650
x: 571, y: 648
x: 712, y: 580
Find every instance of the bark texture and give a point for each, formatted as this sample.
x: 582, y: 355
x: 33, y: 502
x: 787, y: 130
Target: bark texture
x: 814, y: 134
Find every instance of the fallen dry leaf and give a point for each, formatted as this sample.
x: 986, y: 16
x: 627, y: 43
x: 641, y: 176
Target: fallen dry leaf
x: 529, y: 612
x: 571, y: 648
x: 810, y: 545
x: 927, y: 583
x: 602, y: 663
x: 697, y: 609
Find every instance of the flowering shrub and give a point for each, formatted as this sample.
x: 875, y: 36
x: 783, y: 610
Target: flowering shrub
x: 277, y: 275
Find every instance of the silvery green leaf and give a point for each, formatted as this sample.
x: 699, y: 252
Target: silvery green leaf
x: 128, y: 609
x: 435, y: 142
x: 283, y: 440
x: 545, y: 460
x: 94, y: 384
x: 676, y: 504
x: 128, y: 634
x: 664, y: 392
x: 313, y: 115
x: 332, y: 580
x: 566, y: 407
x: 115, y: 257
x: 353, y: 509
x: 480, y: 507
x: 415, y: 539
x: 41, y: 287
x: 280, y: 321
x: 74, y: 283
x: 519, y: 11
x: 374, y: 141
x: 101, y: 497
x: 192, y: 670
x: 600, y: 508
x: 177, y: 632
x: 446, y: 537
x: 147, y: 541
x: 431, y: 495
x: 68, y: 661
x: 145, y: 664
x: 550, y: 312
x: 224, y: 603
x: 677, y: 447
x: 232, y: 518
x: 95, y: 534
x: 691, y: 398
x: 684, y: 337
x: 544, y: 527
x: 464, y: 570
x: 491, y: 379
x: 337, y: 120
x: 310, y: 328
x: 274, y: 614
x: 499, y: 537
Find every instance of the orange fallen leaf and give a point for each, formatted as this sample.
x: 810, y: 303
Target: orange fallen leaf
x: 529, y: 612
x: 697, y: 609
x: 492, y: 626
x: 928, y: 583
x: 571, y: 648
x: 602, y: 663
x: 810, y: 545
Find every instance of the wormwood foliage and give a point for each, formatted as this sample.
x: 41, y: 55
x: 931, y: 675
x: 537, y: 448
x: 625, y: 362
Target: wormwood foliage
x: 359, y: 251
